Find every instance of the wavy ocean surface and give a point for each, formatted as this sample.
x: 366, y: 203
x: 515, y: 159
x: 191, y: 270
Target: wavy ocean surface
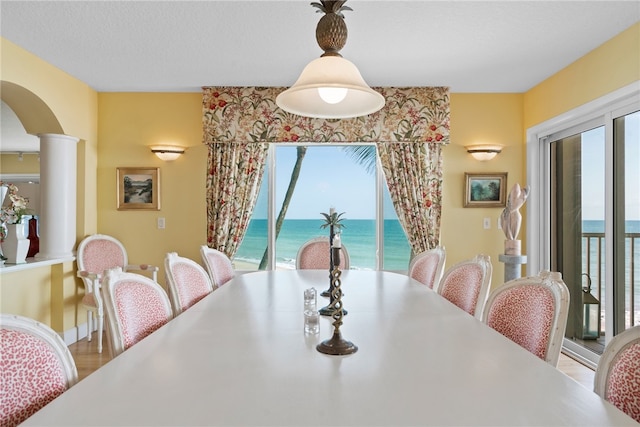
x: 358, y: 236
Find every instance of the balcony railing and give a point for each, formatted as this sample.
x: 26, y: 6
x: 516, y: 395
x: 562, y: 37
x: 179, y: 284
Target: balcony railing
x: 594, y: 265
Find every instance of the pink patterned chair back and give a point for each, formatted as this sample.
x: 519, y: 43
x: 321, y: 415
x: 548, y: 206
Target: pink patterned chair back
x: 96, y: 254
x: 188, y: 282
x: 314, y: 255
x: 35, y: 368
x: 466, y: 284
x: 617, y: 376
x: 135, y: 307
x: 427, y: 267
x: 218, y: 266
x: 99, y: 252
x: 532, y: 312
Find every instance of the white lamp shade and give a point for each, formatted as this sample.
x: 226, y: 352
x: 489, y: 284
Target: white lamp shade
x: 167, y: 153
x: 303, y: 98
x: 484, y: 152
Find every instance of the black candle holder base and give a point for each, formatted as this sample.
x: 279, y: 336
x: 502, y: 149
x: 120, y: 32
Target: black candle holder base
x: 336, y: 346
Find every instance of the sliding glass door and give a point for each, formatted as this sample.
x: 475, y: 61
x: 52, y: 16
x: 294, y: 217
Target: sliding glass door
x: 578, y: 229
x: 594, y: 239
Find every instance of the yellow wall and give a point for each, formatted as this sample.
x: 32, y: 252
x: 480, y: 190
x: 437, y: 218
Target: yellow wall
x: 612, y: 65
x: 129, y: 124
x: 9, y: 163
x: 27, y: 293
x: 480, y: 119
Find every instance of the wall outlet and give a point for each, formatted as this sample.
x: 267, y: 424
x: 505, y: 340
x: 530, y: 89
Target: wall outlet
x: 160, y: 223
x: 486, y: 223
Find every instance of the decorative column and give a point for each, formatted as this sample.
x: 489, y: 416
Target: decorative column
x: 58, y: 163
x: 512, y: 265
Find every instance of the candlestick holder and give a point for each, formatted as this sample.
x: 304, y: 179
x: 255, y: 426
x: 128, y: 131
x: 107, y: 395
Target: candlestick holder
x: 336, y: 346
x: 335, y: 262
x: 333, y: 220
x: 327, y: 292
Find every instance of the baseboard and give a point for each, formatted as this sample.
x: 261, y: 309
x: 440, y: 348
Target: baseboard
x: 75, y: 334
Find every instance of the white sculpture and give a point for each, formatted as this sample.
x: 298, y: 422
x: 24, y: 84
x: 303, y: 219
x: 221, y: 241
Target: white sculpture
x: 511, y: 219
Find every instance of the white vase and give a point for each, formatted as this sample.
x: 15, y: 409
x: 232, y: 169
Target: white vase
x: 16, y: 245
x: 3, y: 193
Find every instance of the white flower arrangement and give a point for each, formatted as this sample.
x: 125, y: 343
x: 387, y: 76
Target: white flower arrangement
x: 13, y: 213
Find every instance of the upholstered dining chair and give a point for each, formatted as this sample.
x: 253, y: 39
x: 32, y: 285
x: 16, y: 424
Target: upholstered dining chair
x: 427, y: 267
x: 218, y: 266
x: 314, y: 255
x: 466, y: 284
x: 36, y: 366
x: 532, y: 312
x: 617, y: 377
x: 135, y: 306
x: 97, y: 253
x: 187, y: 281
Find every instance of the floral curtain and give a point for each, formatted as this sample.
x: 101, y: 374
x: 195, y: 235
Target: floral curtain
x: 233, y: 182
x: 239, y: 122
x: 246, y: 114
x: 414, y: 177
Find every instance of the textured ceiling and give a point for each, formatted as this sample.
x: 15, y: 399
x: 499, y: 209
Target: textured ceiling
x: 168, y: 46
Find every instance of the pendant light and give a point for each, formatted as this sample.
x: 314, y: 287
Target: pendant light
x: 330, y: 87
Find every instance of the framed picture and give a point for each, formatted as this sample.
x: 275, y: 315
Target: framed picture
x: 138, y: 189
x: 485, y: 190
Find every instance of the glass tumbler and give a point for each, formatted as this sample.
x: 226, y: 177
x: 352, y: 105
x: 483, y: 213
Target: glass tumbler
x: 311, y: 315
x: 310, y: 299
x: 311, y: 322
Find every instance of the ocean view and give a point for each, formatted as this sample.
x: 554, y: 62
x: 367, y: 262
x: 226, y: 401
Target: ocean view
x: 358, y: 237
x: 631, y: 227
x: 597, y: 226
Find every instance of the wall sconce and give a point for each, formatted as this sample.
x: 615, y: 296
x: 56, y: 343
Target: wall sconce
x: 167, y: 152
x: 483, y: 152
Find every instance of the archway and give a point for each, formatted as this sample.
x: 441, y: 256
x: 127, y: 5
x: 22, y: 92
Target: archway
x: 57, y: 170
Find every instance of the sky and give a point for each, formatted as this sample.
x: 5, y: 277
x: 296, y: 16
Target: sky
x: 328, y: 178
x: 593, y: 197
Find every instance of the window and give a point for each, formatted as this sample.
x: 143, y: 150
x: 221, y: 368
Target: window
x: 301, y: 182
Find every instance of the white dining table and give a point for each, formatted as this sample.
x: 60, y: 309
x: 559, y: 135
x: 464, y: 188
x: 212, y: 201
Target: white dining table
x: 240, y: 357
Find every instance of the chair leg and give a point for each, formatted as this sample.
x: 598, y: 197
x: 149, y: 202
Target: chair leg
x: 89, y: 325
x: 100, y: 322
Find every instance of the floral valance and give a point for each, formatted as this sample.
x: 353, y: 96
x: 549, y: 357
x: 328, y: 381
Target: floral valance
x: 250, y: 114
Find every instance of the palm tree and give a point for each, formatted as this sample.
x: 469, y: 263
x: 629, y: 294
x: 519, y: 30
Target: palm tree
x: 295, y: 173
x: 364, y: 155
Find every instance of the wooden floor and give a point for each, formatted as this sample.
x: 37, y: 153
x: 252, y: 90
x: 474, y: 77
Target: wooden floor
x: 88, y: 360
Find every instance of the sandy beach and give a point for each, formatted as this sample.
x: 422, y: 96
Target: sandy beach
x: 242, y: 265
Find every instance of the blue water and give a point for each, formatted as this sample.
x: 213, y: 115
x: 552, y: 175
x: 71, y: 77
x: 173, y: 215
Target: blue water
x: 358, y: 237
x: 596, y: 266
x: 597, y: 226
x: 594, y: 250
